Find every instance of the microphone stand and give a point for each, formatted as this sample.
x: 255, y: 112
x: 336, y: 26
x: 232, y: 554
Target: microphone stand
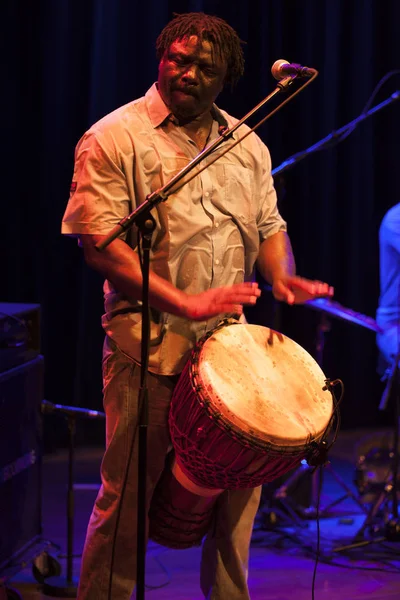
x: 146, y: 224
x: 57, y: 585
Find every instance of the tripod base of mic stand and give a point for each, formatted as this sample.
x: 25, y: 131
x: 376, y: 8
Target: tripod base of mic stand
x: 60, y: 587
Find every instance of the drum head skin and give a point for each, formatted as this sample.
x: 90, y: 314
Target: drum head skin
x: 264, y: 384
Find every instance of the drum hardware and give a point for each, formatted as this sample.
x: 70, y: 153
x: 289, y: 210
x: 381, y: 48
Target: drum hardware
x: 379, y: 518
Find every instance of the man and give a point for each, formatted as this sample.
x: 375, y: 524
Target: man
x: 388, y: 312
x: 208, y: 236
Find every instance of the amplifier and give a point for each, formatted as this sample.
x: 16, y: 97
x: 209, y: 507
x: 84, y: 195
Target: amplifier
x: 21, y: 394
x: 19, y: 334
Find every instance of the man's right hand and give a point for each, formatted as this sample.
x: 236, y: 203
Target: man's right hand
x: 226, y: 299
x: 120, y: 264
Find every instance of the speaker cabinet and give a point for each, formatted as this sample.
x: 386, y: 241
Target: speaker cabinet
x: 21, y: 394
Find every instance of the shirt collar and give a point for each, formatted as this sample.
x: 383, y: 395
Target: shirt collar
x: 158, y: 110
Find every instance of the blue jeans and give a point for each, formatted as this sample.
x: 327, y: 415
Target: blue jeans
x: 225, y: 553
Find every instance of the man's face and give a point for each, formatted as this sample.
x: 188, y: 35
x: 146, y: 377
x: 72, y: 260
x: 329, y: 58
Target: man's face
x: 190, y: 77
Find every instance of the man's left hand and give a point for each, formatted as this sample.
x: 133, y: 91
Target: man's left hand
x: 297, y: 290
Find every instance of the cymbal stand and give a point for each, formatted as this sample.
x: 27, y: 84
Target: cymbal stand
x: 389, y: 493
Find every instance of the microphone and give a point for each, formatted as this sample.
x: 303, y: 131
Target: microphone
x: 70, y: 411
x: 281, y: 68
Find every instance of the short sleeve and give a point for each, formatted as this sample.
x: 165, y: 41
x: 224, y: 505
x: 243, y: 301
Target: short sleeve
x: 99, y: 196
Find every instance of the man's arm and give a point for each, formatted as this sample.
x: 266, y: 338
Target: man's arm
x: 277, y: 265
x: 120, y: 264
x: 275, y: 258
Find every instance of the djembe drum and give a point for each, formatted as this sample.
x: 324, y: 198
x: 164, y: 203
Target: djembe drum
x: 246, y: 410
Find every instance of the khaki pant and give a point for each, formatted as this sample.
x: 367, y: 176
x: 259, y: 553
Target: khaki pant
x: 225, y: 553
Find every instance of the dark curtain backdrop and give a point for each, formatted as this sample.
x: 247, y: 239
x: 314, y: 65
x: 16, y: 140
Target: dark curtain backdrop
x: 69, y: 62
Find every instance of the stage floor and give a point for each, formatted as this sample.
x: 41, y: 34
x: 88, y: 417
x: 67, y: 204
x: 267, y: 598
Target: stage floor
x: 283, y: 549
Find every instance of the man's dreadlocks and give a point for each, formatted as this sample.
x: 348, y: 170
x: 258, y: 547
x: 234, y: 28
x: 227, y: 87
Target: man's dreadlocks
x: 210, y: 28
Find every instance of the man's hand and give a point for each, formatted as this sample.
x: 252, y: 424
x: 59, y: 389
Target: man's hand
x: 297, y: 290
x: 226, y: 299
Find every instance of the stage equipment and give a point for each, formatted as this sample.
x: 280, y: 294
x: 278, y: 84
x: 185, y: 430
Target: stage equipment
x: 380, y: 519
x: 57, y: 585
x: 20, y: 457
x: 21, y: 392
x: 19, y: 334
x: 145, y: 223
x: 334, y: 309
x: 228, y: 426
x: 281, y: 69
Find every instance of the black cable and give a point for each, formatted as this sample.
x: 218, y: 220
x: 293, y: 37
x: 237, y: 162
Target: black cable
x: 367, y: 106
x: 337, y: 138
x: 377, y: 88
x: 336, y: 411
x: 318, y: 453
x: 318, y: 533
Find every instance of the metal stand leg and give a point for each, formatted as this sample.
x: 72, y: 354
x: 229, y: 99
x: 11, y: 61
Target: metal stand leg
x: 310, y: 512
x: 66, y: 587
x: 349, y: 493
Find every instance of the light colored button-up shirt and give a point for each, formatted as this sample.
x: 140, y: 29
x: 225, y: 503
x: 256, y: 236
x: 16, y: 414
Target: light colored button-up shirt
x: 207, y: 233
x: 388, y: 311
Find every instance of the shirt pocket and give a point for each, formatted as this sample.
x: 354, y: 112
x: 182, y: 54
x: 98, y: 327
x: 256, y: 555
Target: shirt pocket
x: 239, y: 192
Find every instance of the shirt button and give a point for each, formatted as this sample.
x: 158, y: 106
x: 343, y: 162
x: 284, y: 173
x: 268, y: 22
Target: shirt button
x: 216, y: 224
x: 217, y: 262
x: 207, y: 194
